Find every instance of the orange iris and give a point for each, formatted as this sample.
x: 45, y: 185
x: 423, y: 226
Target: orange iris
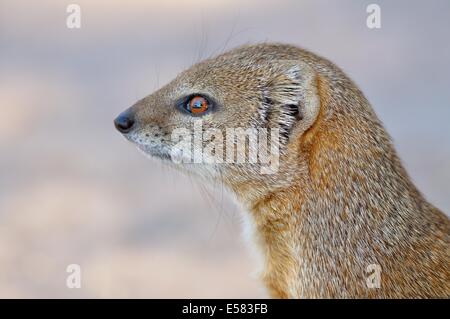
x: 197, y: 105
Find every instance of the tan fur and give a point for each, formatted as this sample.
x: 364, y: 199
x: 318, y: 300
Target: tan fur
x: 341, y: 199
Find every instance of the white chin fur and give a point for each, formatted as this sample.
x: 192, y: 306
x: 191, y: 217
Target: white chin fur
x: 208, y: 172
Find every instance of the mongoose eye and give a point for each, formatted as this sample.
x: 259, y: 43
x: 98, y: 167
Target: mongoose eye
x: 197, y: 105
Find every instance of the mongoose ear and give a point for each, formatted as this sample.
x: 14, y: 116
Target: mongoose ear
x: 293, y: 98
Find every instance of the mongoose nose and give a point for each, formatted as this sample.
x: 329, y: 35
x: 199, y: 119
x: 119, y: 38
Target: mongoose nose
x: 124, y: 122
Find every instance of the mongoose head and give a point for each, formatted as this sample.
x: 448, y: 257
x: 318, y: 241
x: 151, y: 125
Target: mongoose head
x: 264, y: 89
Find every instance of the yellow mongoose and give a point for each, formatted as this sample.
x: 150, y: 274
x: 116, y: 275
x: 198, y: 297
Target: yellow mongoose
x: 338, y: 203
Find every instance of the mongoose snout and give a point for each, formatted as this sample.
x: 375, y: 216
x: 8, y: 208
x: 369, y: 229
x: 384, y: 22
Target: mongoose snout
x: 124, y: 122
x: 328, y: 204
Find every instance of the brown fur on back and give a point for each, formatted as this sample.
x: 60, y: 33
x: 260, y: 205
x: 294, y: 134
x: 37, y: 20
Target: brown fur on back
x: 353, y: 206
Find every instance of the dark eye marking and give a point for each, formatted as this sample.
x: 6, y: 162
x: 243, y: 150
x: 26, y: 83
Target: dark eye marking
x: 195, y: 104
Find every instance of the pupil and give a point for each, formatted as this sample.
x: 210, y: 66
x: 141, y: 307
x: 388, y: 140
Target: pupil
x: 197, y: 104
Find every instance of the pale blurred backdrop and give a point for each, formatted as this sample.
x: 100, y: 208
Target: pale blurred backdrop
x: 73, y: 191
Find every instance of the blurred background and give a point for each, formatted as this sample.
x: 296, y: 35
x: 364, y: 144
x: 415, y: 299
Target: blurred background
x: 73, y: 191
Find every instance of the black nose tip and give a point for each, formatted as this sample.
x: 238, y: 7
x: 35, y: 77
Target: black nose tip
x: 124, y: 122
